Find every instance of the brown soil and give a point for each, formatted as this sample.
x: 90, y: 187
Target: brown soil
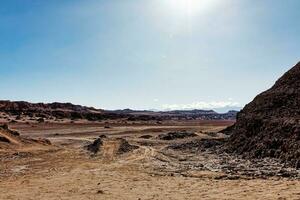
x: 11, y: 140
x: 66, y: 169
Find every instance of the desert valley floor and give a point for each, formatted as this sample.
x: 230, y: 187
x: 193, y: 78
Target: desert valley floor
x: 155, y: 169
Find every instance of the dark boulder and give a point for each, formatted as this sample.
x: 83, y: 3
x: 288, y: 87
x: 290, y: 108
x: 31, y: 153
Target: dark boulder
x: 95, y: 146
x: 176, y: 135
x: 125, y: 147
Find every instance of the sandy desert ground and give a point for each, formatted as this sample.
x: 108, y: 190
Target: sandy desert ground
x: 66, y: 170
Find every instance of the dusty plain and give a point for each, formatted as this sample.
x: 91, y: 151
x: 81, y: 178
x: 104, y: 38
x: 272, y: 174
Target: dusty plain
x: 66, y: 170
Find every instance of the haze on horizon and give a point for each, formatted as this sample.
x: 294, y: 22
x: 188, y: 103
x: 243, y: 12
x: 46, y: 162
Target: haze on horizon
x: 150, y: 54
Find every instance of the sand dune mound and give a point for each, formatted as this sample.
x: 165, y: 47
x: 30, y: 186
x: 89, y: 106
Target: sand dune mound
x: 269, y: 126
x: 10, y: 139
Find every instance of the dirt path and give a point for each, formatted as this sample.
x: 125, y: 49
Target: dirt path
x: 82, y: 179
x: 147, y: 173
x: 143, y: 153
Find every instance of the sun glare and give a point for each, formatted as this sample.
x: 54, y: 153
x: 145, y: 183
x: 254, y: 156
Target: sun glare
x: 189, y: 7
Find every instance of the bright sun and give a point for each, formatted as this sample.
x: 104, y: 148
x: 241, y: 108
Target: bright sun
x: 190, y: 7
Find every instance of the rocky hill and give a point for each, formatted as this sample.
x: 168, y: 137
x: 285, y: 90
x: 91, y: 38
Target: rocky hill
x: 54, y: 110
x: 269, y: 126
x: 22, y: 106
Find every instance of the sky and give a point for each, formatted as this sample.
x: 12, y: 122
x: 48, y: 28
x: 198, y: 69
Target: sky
x: 146, y: 54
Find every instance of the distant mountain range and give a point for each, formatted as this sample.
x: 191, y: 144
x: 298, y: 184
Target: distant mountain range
x: 181, y: 114
x: 71, y: 111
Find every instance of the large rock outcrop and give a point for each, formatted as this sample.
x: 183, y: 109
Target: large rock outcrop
x: 269, y: 126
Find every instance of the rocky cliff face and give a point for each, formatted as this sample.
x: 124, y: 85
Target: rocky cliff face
x: 269, y: 126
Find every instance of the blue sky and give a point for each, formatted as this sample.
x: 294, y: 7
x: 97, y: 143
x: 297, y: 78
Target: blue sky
x: 146, y: 54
